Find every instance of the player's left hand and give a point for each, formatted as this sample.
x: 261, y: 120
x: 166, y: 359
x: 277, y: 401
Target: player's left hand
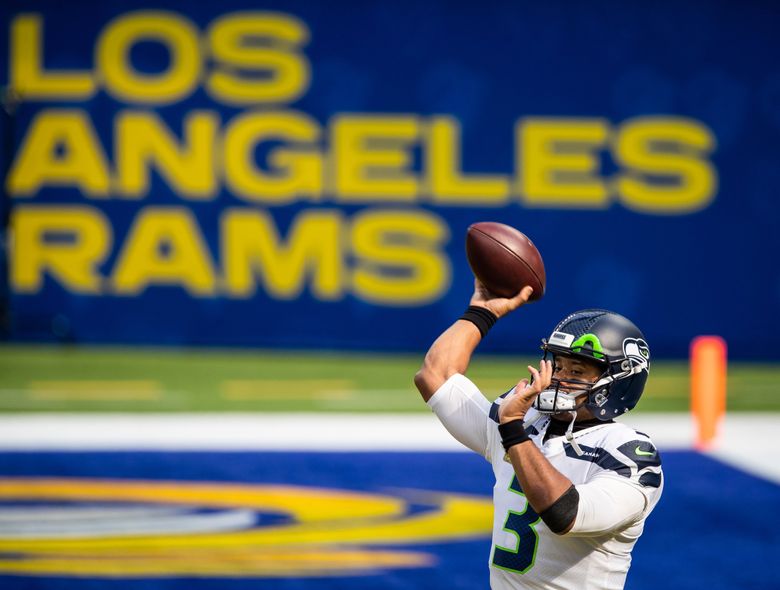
x: 516, y: 405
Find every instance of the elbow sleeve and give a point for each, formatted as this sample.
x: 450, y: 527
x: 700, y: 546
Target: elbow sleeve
x: 560, y: 514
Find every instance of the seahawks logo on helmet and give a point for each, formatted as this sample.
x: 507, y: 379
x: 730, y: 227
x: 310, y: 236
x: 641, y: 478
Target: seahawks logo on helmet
x: 637, y: 352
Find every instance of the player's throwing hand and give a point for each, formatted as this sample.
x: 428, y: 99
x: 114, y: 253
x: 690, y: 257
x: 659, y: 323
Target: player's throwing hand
x: 499, y: 306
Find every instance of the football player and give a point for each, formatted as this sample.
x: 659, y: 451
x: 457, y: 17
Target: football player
x: 573, y: 487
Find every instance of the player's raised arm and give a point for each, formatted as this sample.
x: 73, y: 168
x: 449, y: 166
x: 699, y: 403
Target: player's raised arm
x: 451, y: 352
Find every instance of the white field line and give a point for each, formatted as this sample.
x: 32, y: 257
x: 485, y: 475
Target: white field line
x: 747, y: 441
x: 751, y: 444
x: 244, y: 431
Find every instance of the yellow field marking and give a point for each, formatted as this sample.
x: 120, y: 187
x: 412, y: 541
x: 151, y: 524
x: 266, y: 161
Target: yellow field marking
x: 307, y: 504
x: 321, y: 517
x: 219, y: 562
x: 95, y: 390
x: 330, y: 532
x: 285, y: 389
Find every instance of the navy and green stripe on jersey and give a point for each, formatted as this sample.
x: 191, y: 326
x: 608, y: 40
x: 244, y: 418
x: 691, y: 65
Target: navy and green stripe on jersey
x: 641, y: 452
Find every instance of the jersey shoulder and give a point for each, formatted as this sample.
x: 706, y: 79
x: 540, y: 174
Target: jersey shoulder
x: 619, y: 449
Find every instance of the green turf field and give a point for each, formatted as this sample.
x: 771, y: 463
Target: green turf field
x: 41, y: 378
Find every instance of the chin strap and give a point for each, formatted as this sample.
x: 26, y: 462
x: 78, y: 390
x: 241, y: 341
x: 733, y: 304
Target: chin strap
x: 570, y: 435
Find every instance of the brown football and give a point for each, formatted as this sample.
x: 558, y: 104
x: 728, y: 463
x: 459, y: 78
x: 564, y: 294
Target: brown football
x: 504, y: 259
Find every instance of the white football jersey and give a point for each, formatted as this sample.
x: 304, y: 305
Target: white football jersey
x: 618, y: 477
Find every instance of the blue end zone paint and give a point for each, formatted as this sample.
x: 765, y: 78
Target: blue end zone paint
x: 716, y: 528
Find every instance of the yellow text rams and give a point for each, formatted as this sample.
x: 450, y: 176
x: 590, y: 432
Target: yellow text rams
x: 386, y: 257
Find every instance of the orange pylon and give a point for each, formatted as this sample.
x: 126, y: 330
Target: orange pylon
x: 708, y: 387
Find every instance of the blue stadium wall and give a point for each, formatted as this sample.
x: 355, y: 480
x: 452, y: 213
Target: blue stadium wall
x: 302, y: 174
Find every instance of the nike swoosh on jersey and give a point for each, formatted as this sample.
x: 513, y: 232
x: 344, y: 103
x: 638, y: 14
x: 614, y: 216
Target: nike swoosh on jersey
x: 642, y: 453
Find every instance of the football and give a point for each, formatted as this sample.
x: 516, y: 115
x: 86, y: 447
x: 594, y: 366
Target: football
x: 504, y: 259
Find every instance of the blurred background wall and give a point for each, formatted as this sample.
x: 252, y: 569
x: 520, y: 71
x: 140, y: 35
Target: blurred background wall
x: 301, y: 174
x: 298, y: 177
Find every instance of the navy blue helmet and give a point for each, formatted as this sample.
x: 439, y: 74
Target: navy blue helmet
x: 616, y: 346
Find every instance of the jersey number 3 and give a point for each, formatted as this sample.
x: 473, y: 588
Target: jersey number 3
x: 520, y: 524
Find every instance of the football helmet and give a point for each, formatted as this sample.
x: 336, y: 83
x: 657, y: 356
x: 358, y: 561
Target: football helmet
x: 611, y: 342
